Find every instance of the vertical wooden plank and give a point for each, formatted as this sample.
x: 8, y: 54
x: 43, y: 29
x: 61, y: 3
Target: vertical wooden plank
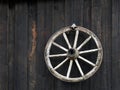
x: 101, y: 26
x: 68, y: 12
x: 77, y: 12
x: 21, y: 47
x: 87, y: 14
x: 32, y: 11
x: 115, y: 44
x: 96, y: 28
x: 45, y: 81
x: 11, y: 47
x: 40, y: 44
x: 74, y: 12
x: 3, y: 47
x: 105, y: 36
x: 58, y: 15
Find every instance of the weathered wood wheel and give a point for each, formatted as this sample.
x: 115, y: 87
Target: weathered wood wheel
x: 73, y: 53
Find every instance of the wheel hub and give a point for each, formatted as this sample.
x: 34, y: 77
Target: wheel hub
x: 72, y: 53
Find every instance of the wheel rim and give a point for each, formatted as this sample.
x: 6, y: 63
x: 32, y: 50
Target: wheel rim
x: 73, y: 54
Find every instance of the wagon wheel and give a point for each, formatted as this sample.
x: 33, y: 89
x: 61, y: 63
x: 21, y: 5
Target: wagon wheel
x: 73, y: 53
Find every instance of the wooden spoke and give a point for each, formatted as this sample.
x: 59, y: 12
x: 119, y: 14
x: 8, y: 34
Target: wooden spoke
x: 84, y: 43
x: 88, y: 51
x: 79, y: 67
x: 69, y: 68
x: 66, y: 39
x: 76, y: 39
x: 59, y: 46
x: 58, y: 55
x: 60, y: 64
x: 87, y: 61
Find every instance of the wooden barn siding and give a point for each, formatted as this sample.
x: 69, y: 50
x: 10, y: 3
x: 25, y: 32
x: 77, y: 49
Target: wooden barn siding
x: 25, y: 28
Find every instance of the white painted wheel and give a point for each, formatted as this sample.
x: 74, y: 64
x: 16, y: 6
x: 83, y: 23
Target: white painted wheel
x: 73, y: 54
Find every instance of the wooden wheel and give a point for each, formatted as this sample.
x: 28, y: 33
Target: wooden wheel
x: 73, y: 53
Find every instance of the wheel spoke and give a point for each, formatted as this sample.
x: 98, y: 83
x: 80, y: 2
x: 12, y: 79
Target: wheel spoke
x: 84, y: 43
x: 66, y: 39
x: 76, y: 39
x: 87, y: 61
x: 61, y: 47
x: 60, y: 64
x: 58, y: 55
x: 69, y: 68
x: 79, y: 67
x: 88, y: 51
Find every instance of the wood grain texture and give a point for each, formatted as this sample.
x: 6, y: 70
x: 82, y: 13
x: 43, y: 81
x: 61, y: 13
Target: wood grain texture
x: 115, y: 44
x: 33, y: 36
x: 101, y: 24
x: 21, y: 47
x: 44, y: 26
x: 3, y: 47
x: 25, y: 28
x: 11, y: 47
x: 40, y: 67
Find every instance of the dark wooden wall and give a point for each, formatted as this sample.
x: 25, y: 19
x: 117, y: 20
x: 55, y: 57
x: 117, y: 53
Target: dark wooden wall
x: 25, y: 28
